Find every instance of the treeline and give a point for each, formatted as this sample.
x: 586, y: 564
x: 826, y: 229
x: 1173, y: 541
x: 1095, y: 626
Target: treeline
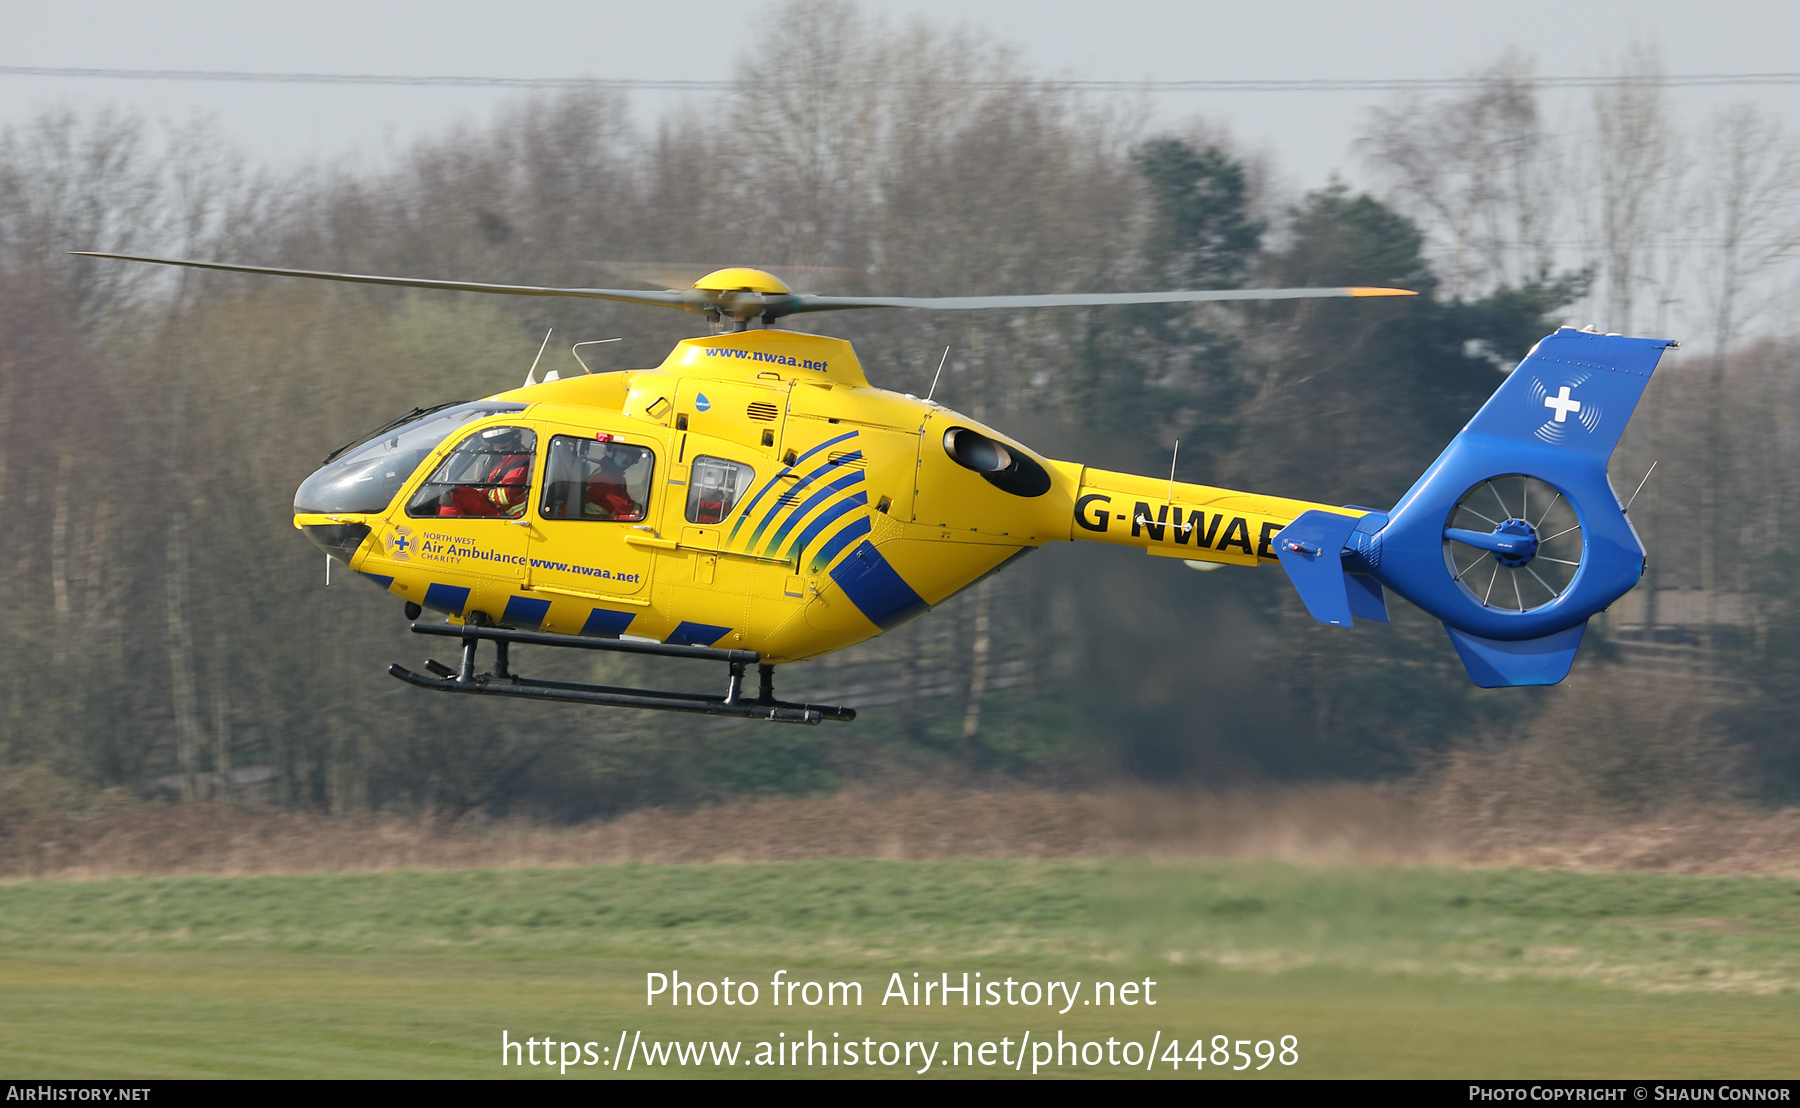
x: 172, y: 633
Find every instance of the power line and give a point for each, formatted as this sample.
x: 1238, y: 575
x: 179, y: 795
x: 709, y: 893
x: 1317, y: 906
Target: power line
x: 1391, y: 84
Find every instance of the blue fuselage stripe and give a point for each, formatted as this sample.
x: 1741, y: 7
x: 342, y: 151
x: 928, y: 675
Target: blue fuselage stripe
x: 697, y: 634
x: 606, y: 623
x: 876, y: 589
x: 449, y: 599
x: 526, y: 611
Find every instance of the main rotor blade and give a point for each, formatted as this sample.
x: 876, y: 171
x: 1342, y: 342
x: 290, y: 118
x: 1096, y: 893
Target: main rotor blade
x: 1082, y: 299
x: 746, y: 305
x: 630, y: 296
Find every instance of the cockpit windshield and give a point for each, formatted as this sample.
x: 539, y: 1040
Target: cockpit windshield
x: 364, y: 478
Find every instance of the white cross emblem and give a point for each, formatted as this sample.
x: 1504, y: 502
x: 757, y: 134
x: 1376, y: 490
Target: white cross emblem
x: 1562, y: 404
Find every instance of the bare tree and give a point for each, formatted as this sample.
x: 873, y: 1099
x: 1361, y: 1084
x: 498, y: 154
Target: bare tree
x: 74, y: 183
x: 1746, y: 207
x: 1748, y: 216
x: 1637, y: 166
x: 1480, y: 175
x: 808, y: 126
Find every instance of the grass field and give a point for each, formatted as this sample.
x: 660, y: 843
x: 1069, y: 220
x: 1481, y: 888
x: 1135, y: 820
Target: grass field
x: 1376, y: 972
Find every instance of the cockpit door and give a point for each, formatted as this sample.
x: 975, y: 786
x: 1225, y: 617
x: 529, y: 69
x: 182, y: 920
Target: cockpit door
x: 596, y: 498
x: 470, y: 515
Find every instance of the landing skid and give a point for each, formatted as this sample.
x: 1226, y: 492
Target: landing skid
x: 501, y: 681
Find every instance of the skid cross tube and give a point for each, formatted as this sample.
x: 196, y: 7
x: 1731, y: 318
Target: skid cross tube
x: 501, y: 681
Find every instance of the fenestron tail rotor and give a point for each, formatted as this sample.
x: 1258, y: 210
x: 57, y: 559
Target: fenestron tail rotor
x: 1513, y: 543
x: 743, y: 294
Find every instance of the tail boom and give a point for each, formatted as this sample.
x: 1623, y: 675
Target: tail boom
x: 1178, y: 520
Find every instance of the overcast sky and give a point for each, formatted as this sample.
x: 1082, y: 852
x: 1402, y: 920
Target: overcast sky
x: 1309, y: 132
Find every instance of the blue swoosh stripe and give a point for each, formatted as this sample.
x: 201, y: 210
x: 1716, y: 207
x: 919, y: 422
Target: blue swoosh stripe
x: 754, y: 500
x: 854, y: 477
x: 792, y: 492
x: 847, y: 458
x: 856, y: 529
x: 789, y: 496
x: 760, y: 493
x: 823, y: 445
x: 826, y: 519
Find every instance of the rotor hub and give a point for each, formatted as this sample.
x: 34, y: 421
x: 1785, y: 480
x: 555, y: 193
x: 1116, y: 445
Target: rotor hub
x: 1521, y: 543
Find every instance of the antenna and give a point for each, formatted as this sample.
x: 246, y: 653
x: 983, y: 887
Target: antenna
x: 576, y: 350
x: 1189, y: 524
x: 1640, y: 487
x: 531, y: 374
x: 939, y: 373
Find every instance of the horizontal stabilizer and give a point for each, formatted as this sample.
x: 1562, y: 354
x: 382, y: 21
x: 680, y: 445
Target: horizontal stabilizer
x: 1311, y: 550
x: 1494, y: 664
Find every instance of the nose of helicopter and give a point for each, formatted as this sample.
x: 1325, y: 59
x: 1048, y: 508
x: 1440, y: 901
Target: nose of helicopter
x: 358, y: 482
x: 328, y: 503
x: 340, y: 540
x: 331, y: 506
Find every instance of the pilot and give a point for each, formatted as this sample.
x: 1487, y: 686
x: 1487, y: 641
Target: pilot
x: 507, y: 483
x: 607, y: 497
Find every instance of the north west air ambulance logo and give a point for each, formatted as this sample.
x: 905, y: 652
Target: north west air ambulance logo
x: 400, y: 544
x: 1565, y: 410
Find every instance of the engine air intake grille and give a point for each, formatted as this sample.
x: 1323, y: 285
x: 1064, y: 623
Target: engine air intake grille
x: 762, y: 411
x: 843, y: 458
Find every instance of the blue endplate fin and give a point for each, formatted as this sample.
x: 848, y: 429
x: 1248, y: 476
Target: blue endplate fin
x: 1493, y: 664
x: 1311, y: 550
x: 1366, y: 598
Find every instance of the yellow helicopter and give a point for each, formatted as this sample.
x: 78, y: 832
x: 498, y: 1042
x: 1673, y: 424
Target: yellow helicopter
x: 754, y: 500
